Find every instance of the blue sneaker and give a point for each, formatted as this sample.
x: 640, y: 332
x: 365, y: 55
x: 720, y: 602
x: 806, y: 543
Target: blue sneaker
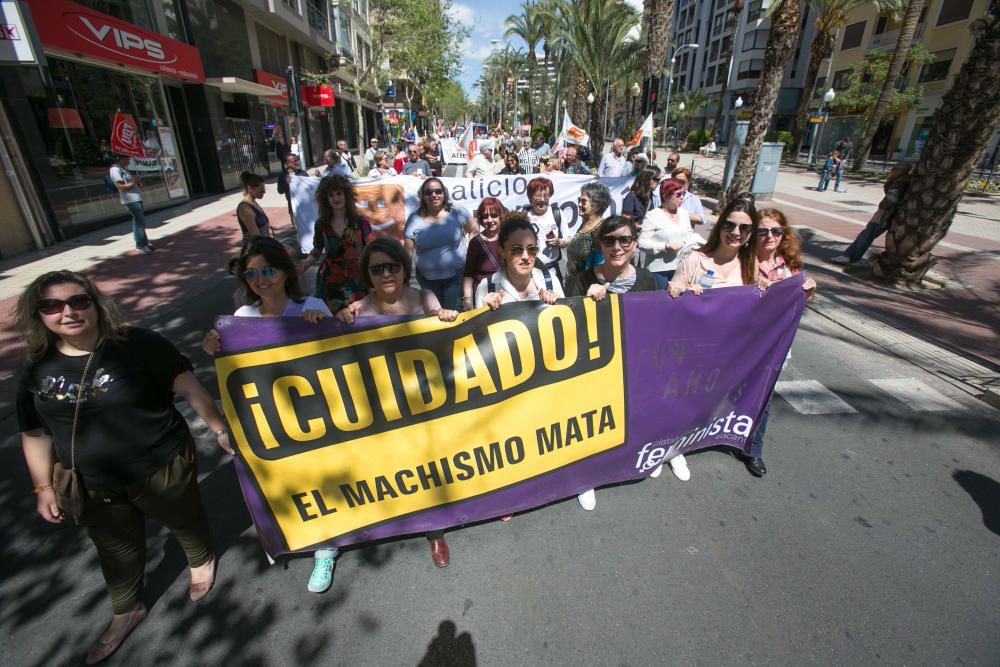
x: 322, y: 575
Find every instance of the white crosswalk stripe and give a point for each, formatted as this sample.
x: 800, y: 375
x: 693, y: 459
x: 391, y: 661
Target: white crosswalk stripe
x: 810, y: 397
x: 916, y: 395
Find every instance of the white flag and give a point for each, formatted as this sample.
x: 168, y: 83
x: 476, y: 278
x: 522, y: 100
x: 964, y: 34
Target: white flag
x: 571, y: 133
x: 467, y: 143
x: 645, y: 131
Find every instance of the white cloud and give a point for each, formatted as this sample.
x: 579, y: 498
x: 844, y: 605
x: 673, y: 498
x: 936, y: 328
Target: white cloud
x: 463, y: 14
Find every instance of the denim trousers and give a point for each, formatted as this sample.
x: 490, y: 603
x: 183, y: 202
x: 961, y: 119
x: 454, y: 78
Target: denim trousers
x: 757, y: 444
x: 447, y: 290
x: 138, y: 223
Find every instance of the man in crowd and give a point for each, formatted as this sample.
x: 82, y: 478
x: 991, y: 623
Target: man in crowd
x: 542, y: 149
x: 293, y: 167
x: 130, y: 196
x: 370, y: 153
x: 345, y: 156
x: 614, y: 163
x: 335, y: 166
x: 481, y: 166
x: 572, y: 164
x: 672, y: 161
x: 415, y: 165
x: 526, y: 156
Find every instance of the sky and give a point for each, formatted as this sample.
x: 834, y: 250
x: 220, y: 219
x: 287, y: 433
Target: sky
x: 485, y: 19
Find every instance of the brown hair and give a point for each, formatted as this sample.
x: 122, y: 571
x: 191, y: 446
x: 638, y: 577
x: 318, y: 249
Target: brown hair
x: 276, y: 255
x: 111, y: 322
x: 682, y: 170
x: 391, y: 247
x: 490, y: 204
x: 325, y: 219
x: 788, y: 248
x: 539, y: 183
x: 748, y: 251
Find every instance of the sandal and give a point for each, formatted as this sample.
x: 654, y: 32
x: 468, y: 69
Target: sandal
x: 198, y: 591
x: 101, y: 650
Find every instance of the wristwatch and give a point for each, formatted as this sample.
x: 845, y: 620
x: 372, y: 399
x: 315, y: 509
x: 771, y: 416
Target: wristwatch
x: 221, y: 432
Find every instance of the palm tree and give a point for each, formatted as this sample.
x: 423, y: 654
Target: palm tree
x: 693, y: 100
x: 660, y: 14
x: 597, y: 33
x: 960, y: 130
x: 831, y: 16
x: 899, y: 54
x: 727, y: 55
x: 784, y: 33
x: 528, y: 26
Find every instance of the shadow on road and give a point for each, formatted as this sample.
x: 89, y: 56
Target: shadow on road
x: 448, y: 649
x: 985, y: 491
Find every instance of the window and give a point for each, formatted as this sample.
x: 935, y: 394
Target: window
x: 853, y: 35
x: 754, y: 10
x: 954, y: 10
x: 750, y: 69
x: 291, y: 4
x: 720, y: 75
x: 939, y: 68
x: 273, y: 51
x: 713, y: 53
x: 755, y: 40
x: 880, y: 25
x: 841, y: 79
x: 710, y: 78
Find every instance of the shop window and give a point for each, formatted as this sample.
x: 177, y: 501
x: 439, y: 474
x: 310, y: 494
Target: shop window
x: 938, y: 69
x: 953, y: 11
x: 853, y: 36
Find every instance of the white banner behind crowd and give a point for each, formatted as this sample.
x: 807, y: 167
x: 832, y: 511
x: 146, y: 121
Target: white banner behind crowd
x: 387, y: 202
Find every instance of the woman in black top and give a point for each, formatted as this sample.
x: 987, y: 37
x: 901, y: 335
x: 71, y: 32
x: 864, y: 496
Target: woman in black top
x: 639, y: 199
x: 512, y: 166
x: 99, y: 393
x: 253, y: 221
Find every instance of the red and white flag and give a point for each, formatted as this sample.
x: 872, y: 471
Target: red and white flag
x: 645, y: 131
x: 571, y: 133
x: 125, y: 138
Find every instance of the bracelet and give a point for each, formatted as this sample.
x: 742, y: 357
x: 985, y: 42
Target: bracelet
x: 41, y: 487
x: 221, y: 432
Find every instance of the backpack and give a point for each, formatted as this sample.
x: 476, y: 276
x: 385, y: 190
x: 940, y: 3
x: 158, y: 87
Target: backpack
x: 109, y: 184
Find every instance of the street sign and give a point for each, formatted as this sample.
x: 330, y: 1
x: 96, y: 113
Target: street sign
x: 819, y: 118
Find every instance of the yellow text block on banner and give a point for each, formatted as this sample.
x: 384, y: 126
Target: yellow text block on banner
x: 351, y: 431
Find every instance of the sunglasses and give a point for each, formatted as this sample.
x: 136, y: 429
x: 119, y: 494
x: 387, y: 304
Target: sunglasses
x: 518, y: 250
x: 776, y: 232
x: 729, y: 225
x: 392, y: 268
x: 56, y: 306
x: 623, y: 241
x: 433, y: 191
x: 267, y: 272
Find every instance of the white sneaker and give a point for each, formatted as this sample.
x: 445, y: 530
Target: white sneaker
x: 841, y: 259
x: 656, y: 471
x: 679, y: 466
x: 588, y: 500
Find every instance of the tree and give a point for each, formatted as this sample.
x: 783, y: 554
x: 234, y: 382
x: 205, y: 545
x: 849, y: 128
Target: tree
x: 864, y: 83
x: 899, y: 56
x: 727, y: 55
x: 831, y: 16
x: 660, y: 14
x: 960, y: 130
x: 784, y: 33
x: 693, y: 101
x: 448, y: 101
x: 528, y: 26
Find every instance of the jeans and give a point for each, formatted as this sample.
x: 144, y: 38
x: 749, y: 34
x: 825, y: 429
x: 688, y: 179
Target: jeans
x: 856, y: 251
x: 840, y: 174
x: 447, y: 290
x: 757, y: 444
x: 138, y: 224
x: 824, y: 180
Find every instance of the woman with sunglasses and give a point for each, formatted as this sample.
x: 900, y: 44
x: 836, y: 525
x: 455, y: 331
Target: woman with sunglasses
x: 594, y: 200
x: 339, y: 235
x: 778, y: 257
x: 690, y: 202
x: 100, y: 395
x: 383, y: 166
x: 666, y: 232
x: 616, y: 239
x: 482, y: 259
x: 385, y: 270
x: 548, y: 221
x: 512, y: 165
x: 434, y: 233
x: 726, y: 259
x: 518, y: 279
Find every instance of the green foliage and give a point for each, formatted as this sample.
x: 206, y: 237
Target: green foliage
x: 865, y: 83
x: 698, y: 138
x: 85, y: 149
x: 784, y: 137
x: 449, y: 99
x: 543, y: 130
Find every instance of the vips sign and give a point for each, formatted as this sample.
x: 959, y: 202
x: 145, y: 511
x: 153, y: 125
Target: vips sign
x: 278, y: 83
x: 348, y: 434
x: 71, y: 28
x: 318, y: 96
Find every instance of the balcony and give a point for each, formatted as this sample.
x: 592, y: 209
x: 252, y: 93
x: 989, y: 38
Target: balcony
x: 884, y: 41
x: 316, y: 14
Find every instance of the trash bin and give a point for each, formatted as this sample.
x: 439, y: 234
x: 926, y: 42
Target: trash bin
x: 765, y: 177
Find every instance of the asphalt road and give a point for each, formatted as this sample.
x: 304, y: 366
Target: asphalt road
x: 874, y: 538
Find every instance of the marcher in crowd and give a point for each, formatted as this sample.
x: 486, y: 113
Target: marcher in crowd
x: 372, y: 152
x: 639, y: 199
x: 519, y: 278
x: 399, y: 158
x: 617, y: 242
x: 483, y: 257
x: 594, y: 200
x: 335, y: 166
x: 673, y: 160
x: 690, y: 202
x: 346, y: 157
x: 385, y: 267
x: 614, y: 163
x: 547, y: 220
x: 554, y: 166
x: 481, y: 165
x: 666, y: 232
x: 253, y: 221
x: 339, y: 236
x: 572, y: 163
x: 638, y: 162
x: 896, y: 186
x: 434, y: 233
x: 512, y: 165
x: 778, y: 257
x: 527, y: 158
x: 130, y: 196
x: 293, y: 167
x: 727, y: 259
x: 432, y: 155
x: 382, y: 166
x: 98, y: 395
x: 415, y: 164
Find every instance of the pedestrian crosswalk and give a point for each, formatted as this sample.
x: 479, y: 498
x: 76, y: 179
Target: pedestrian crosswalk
x: 811, y: 397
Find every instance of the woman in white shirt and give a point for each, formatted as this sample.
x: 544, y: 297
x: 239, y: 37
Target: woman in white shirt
x: 547, y: 220
x: 518, y: 279
x: 383, y: 166
x: 667, y: 232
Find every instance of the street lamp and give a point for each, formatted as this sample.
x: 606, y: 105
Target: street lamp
x: 590, y: 109
x: 826, y: 99
x: 738, y: 103
x: 670, y: 80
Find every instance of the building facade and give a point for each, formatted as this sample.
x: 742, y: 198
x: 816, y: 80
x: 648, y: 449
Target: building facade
x: 204, y: 83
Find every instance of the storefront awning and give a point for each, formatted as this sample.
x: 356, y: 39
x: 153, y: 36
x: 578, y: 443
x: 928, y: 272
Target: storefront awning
x: 232, y: 84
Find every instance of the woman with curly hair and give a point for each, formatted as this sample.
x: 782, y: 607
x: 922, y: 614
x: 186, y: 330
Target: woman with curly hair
x: 97, y: 395
x: 339, y: 236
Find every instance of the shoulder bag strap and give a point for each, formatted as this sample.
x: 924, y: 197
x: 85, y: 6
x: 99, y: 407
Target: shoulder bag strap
x: 489, y: 253
x: 76, y: 413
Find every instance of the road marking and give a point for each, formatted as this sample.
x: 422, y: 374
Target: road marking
x: 810, y: 397
x: 916, y: 395
x: 988, y: 254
